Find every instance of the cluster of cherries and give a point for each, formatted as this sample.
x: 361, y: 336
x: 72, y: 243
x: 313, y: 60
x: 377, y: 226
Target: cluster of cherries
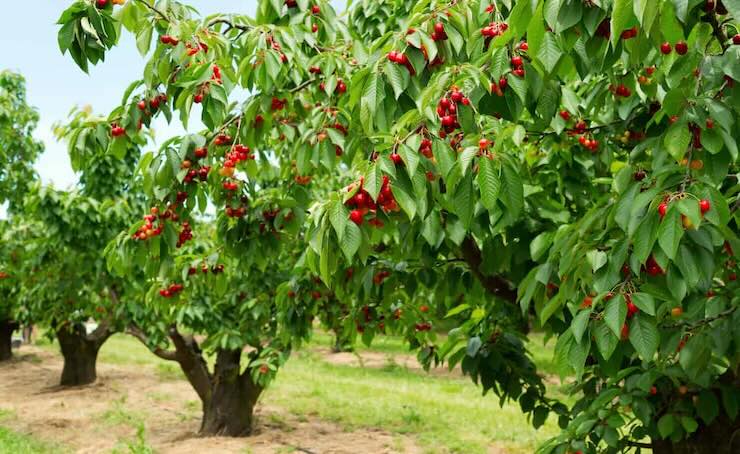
x: 580, y: 129
x: 192, y: 50
x: 171, y: 291
x: 401, y: 59
x: 363, y: 203
x: 423, y: 326
x: 425, y: 148
x: 340, y: 89
x: 681, y: 48
x: 704, y: 206
x: 380, y: 276
x: 147, y: 230
x: 276, y: 46
x: 201, y: 173
x: 447, y: 109
x: 186, y: 234
x: 278, y: 104
x: 620, y: 90
x: 439, y: 33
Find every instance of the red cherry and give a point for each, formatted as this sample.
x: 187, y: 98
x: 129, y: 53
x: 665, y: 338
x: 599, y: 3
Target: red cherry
x: 198, y: 98
x: 653, y: 390
x: 625, y: 331
x: 315, y: 9
x: 516, y: 61
x: 710, y: 123
x: 736, y: 40
x: 503, y: 83
x: 662, y: 208
x: 101, y: 3
x: 483, y: 144
x: 565, y: 115
x: 456, y: 96
x: 705, y: 205
x: 587, y: 302
x: 356, y: 216
x: 314, y: 28
x: 141, y: 105
x: 524, y: 46
x: 682, y: 48
x: 519, y: 72
x: 439, y: 28
x: 424, y: 308
x: 396, y: 158
x: 448, y: 120
x: 665, y: 48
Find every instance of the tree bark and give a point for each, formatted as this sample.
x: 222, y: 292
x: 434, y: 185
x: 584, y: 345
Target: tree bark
x: 80, y: 352
x: 495, y: 285
x: 722, y: 436
x: 228, y: 397
x: 230, y: 409
x: 6, y: 332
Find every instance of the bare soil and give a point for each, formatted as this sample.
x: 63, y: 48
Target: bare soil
x: 105, y: 415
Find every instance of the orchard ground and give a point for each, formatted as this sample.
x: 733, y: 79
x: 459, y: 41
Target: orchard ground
x: 376, y: 401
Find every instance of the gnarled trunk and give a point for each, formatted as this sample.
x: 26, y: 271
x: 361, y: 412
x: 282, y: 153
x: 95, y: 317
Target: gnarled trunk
x: 80, y: 352
x: 6, y: 332
x: 230, y: 407
x: 722, y: 436
x: 228, y: 397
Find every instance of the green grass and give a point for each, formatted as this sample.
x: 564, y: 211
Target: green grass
x: 16, y: 443
x: 443, y: 414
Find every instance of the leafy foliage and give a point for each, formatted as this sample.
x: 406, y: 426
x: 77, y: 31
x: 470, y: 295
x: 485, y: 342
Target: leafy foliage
x: 563, y: 162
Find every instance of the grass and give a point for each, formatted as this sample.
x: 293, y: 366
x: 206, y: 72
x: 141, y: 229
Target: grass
x: 17, y: 443
x: 442, y: 413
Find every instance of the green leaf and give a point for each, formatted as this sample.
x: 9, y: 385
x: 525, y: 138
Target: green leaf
x: 606, y: 341
x: 144, y: 39
x: 409, y: 157
x: 707, y: 406
x: 395, y: 75
x: 644, y: 302
x: 339, y: 218
x: 488, y: 182
x: 666, y: 424
x: 351, y: 240
x: 670, y: 232
x: 580, y: 323
x: 676, y: 140
x: 596, y: 259
x: 549, y: 53
x: 615, y: 314
x: 644, y: 336
x: 513, y: 192
x: 682, y: 7
x: 689, y: 424
x: 373, y: 180
x: 621, y: 15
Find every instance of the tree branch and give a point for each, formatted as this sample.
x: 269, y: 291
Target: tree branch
x: 637, y: 444
x: 191, y: 361
x: 494, y: 285
x: 229, y: 24
x: 162, y: 353
x: 154, y: 9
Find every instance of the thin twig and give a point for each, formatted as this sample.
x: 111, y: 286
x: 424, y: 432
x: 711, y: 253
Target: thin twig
x: 153, y: 8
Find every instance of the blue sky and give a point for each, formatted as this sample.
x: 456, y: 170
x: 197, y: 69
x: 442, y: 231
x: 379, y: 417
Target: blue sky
x: 55, y: 84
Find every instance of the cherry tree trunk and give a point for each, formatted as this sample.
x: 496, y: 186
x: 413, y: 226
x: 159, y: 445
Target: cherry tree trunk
x: 229, y: 408
x: 80, y: 356
x: 6, y: 332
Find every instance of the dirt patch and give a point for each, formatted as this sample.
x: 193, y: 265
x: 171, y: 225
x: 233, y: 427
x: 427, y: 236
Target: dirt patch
x: 107, y: 414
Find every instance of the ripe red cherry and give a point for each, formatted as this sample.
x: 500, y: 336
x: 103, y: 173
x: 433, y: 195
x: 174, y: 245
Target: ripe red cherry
x: 710, y: 123
x: 503, y: 83
x: 198, y: 98
x: 565, y: 115
x: 524, y: 46
x: 587, y: 302
x: 448, y: 120
x: 356, y: 216
x: 516, y: 61
x: 439, y: 28
x: 141, y: 105
x: 736, y: 39
x: 639, y: 175
x: 705, y: 205
x: 665, y: 48
x: 456, y: 96
x: 101, y: 3
x: 519, y: 72
x: 314, y: 28
x: 483, y: 144
x: 396, y: 158
x: 424, y: 308
x: 682, y: 48
x: 315, y: 9
x: 662, y: 208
